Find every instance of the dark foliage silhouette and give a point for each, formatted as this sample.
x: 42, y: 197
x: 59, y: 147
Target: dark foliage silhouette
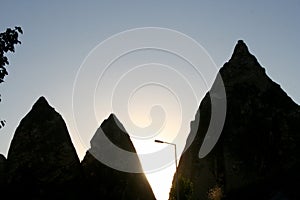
x: 8, y: 40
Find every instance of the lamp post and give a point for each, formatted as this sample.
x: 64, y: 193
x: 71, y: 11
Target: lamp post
x: 177, y: 186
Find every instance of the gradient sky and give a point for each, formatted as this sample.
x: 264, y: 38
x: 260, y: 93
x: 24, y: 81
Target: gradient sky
x: 58, y: 35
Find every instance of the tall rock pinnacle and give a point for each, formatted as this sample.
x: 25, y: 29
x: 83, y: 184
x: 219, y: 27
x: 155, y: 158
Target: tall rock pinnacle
x: 257, y: 154
x: 42, y: 162
x: 105, y: 182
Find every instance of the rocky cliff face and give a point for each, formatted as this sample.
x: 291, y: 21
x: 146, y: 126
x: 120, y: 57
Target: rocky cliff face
x: 2, y: 175
x: 2, y: 171
x: 257, y: 155
x: 106, y: 182
x: 42, y: 162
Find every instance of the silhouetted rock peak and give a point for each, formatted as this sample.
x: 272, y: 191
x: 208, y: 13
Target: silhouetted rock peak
x: 243, y: 68
x: 112, y: 115
x: 41, y: 102
x: 113, y: 121
x: 243, y: 59
x: 41, y: 111
x: 109, y: 183
x: 115, y: 132
x: 42, y: 154
x: 240, y: 49
x: 257, y: 154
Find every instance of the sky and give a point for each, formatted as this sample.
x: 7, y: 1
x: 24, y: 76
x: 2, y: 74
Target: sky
x: 61, y: 37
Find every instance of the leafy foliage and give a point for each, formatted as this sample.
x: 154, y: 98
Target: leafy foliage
x: 8, y: 40
x: 185, y: 189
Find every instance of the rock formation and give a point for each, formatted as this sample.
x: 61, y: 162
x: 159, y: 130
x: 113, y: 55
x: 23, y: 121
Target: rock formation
x: 257, y: 154
x: 106, y: 182
x: 42, y: 162
x: 2, y: 172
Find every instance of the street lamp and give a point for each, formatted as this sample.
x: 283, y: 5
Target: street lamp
x: 177, y: 186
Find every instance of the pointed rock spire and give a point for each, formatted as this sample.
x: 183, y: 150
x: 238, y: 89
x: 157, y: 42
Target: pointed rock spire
x: 240, y: 49
x: 242, y: 58
x: 257, y: 154
x: 41, y: 103
x: 41, y: 158
x: 115, y: 132
x: 243, y: 68
x: 41, y: 100
x: 109, y: 183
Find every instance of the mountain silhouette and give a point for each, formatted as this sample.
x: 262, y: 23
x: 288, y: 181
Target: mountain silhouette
x: 257, y: 154
x: 42, y: 162
x: 109, y: 183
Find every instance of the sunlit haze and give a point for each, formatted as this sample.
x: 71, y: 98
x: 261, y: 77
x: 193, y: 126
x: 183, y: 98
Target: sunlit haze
x: 154, y: 93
